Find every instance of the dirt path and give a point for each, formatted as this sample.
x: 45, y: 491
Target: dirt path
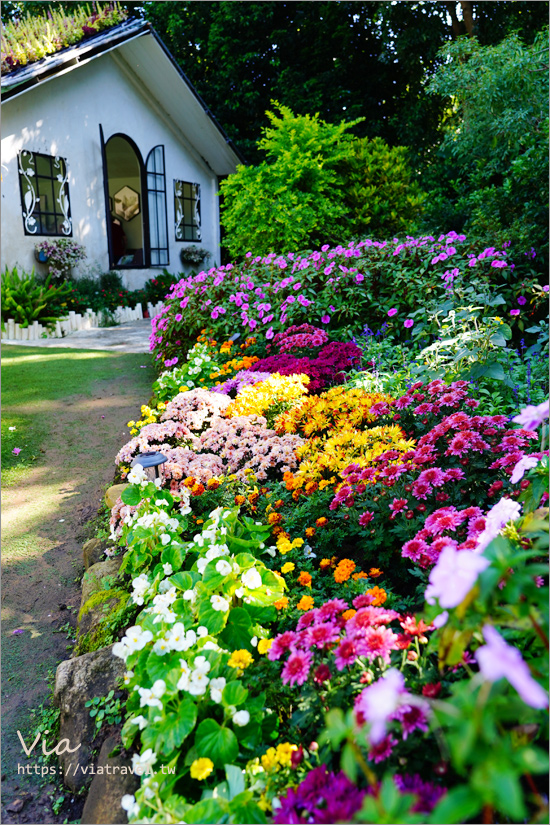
x: 43, y: 532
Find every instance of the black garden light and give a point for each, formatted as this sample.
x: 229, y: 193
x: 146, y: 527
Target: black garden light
x: 150, y: 463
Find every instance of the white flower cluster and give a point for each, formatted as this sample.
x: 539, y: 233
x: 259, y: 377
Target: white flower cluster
x: 134, y: 639
x: 137, y: 475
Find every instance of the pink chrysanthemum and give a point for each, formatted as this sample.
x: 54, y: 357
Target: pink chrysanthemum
x: 322, y: 634
x: 281, y: 644
x: 345, y: 654
x: 296, y: 669
x: 329, y: 610
x: 412, y: 718
x: 382, y: 750
x: 377, y: 641
x: 433, y: 475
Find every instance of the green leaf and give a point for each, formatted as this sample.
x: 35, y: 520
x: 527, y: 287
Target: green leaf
x: 131, y: 495
x: 182, y: 580
x: 216, y: 743
x: 207, y: 811
x: 234, y: 693
x: 235, y: 780
x: 458, y: 805
x: 176, y: 727
x: 238, y: 631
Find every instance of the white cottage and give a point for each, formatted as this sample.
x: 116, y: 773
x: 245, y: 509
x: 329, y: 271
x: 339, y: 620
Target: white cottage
x: 107, y: 142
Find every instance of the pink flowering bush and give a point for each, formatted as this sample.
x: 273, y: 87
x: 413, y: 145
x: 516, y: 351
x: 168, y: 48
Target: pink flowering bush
x: 197, y: 409
x: 336, y: 289
x: 326, y: 370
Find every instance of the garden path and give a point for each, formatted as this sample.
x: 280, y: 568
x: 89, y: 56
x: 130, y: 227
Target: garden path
x: 132, y: 337
x: 43, y: 528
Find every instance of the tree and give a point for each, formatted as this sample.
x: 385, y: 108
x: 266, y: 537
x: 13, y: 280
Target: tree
x: 496, y: 139
x: 316, y: 185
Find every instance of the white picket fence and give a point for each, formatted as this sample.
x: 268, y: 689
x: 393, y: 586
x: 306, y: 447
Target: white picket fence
x: 73, y: 323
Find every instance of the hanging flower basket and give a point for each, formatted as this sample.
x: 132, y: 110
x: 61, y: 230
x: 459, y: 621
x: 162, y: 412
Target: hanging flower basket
x: 41, y: 256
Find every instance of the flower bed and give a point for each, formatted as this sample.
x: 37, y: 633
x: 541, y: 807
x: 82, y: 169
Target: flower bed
x: 341, y: 594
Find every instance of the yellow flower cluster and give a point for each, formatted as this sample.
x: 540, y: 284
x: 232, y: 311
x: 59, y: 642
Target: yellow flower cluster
x: 278, y: 757
x: 201, y: 768
x: 322, y: 457
x: 284, y: 545
x: 335, y: 409
x: 255, y: 399
x: 240, y: 658
x: 148, y: 416
x: 264, y: 645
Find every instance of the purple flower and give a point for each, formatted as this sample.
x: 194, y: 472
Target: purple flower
x: 545, y: 288
x: 428, y: 793
x: 498, y: 660
x: 325, y: 319
x: 514, y: 312
x: 499, y: 264
x: 16, y: 450
x: 408, y: 323
x: 522, y: 300
x: 392, y: 312
x: 382, y: 750
x: 453, y: 576
x: 530, y: 417
x: 378, y: 702
x: 498, y: 517
x: 525, y: 463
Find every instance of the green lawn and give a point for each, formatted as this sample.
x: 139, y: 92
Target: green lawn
x: 34, y: 376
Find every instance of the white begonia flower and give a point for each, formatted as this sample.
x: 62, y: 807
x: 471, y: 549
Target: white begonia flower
x: 183, y: 683
x: 236, y: 568
x: 165, y: 615
x: 128, y: 676
x: 139, y: 720
x: 161, y: 502
x: 216, y: 688
x: 211, y: 646
x: 271, y: 551
x: 166, y: 538
x: 201, y: 565
x: 161, y: 647
x: 202, y: 631
x: 129, y: 804
x: 168, y: 569
x: 239, y: 592
x: 165, y: 586
x: 173, y: 523
x: 223, y: 567
x: 254, y: 641
x: 201, y: 663
x: 137, y: 475
x: 143, y: 763
x: 219, y: 603
x: 308, y: 552
x: 241, y: 718
x: 198, y: 683
x: 175, y: 637
x: 190, y: 596
x: 151, y: 696
x: 190, y: 638
x: 252, y: 579
x: 158, y: 483
x: 141, y: 586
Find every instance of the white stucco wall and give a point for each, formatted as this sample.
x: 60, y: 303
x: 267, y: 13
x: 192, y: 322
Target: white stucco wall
x: 62, y: 116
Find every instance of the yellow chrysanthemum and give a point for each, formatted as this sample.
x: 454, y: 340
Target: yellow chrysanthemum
x: 240, y: 658
x: 276, y: 391
x: 264, y: 645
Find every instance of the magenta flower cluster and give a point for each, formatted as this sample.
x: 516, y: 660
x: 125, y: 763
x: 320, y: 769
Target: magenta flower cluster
x: 299, y: 337
x: 327, y: 369
x: 322, y: 797
x: 243, y: 378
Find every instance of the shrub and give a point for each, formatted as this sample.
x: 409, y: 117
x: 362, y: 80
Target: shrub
x: 25, y: 300
x: 61, y: 256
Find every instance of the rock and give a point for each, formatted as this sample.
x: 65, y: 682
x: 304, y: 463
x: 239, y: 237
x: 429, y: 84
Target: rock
x: 100, y: 576
x: 17, y: 805
x: 77, y: 681
x: 103, y: 801
x: 113, y: 494
x: 93, y: 551
x: 97, y: 609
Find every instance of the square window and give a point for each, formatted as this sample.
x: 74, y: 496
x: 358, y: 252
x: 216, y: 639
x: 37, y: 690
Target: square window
x: 43, y: 181
x: 187, y: 211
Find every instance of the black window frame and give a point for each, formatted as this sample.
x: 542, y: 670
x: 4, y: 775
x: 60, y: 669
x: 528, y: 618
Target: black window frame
x: 157, y: 216
x: 33, y: 212
x: 191, y: 227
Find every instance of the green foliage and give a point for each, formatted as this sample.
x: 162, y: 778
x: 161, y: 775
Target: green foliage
x: 105, y: 710
x: 379, y: 189
x: 496, y: 139
x: 159, y: 286
x: 25, y: 300
x: 291, y: 199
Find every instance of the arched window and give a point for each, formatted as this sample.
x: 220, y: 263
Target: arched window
x: 135, y: 196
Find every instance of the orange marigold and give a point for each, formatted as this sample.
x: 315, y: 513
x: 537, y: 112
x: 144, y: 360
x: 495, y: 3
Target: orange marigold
x: 198, y: 489
x: 304, y: 579
x: 281, y: 603
x: 190, y: 482
x: 348, y: 614
x: 274, y: 518
x: 374, y: 572
x: 343, y: 571
x: 305, y: 603
x: 321, y: 522
x: 310, y: 531
x: 253, y: 497
x: 296, y: 494
x: 212, y: 483
x: 379, y: 595
x: 239, y: 500
x: 278, y: 503
x: 311, y: 487
x: 357, y: 576
x: 324, y: 563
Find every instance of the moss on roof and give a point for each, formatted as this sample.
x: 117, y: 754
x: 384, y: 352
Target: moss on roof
x: 31, y: 38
